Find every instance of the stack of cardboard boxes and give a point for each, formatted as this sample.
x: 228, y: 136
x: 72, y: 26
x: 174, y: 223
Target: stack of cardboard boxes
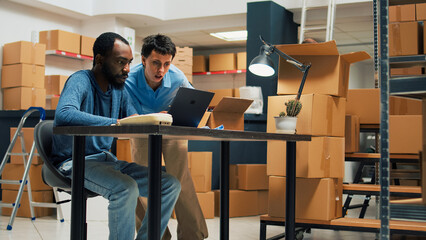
x: 406, y: 34
x: 320, y: 162
x: 405, y: 121
x: 67, y: 42
x: 200, y: 167
x: 23, y: 75
x: 183, y: 61
x: 220, y: 62
x: 248, y: 194
x: 15, y: 170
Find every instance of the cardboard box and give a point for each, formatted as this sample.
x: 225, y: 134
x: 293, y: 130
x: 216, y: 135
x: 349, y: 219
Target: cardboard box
x: 405, y: 39
x: 54, y: 84
x: 24, y: 52
x: 423, y: 165
x: 86, y: 45
x: 28, y: 141
x: 222, y: 62
x: 123, y: 150
x: 189, y: 77
x: 229, y: 113
x: 219, y: 94
x: 183, y: 57
x: 16, y: 171
x: 184, y: 53
x: 424, y: 40
x: 9, y: 196
x: 206, y: 201
x: 329, y: 73
x: 241, y: 60
x: 199, y: 64
x: 200, y: 165
x: 352, y: 133
x: 402, y: 13
x: 404, y: 106
x: 52, y: 102
x: 241, y: 203
x: 321, y: 115
x: 411, y: 71
x: 420, y: 11
x: 185, y: 68
x: 22, y: 75
x: 316, y: 198
x: 405, y: 134
x: 322, y: 157
x: 365, y: 103
x: 21, y: 98
x: 60, y: 40
x: 248, y: 177
x: 262, y: 201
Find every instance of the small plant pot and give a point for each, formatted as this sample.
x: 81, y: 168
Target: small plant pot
x: 285, y: 124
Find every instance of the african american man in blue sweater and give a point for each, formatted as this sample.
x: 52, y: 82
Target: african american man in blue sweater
x: 97, y: 97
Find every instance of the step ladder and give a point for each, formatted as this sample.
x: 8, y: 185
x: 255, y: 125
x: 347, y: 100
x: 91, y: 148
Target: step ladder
x: 330, y: 21
x: 27, y: 160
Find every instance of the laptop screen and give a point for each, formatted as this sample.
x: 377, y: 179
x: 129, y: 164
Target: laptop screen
x: 189, y: 106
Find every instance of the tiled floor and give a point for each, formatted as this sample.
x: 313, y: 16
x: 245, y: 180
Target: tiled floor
x: 247, y: 228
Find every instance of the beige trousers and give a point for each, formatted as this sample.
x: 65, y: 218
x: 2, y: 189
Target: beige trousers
x: 190, y: 218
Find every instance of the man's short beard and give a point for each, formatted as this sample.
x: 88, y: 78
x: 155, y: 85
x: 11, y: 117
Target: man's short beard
x: 111, y: 77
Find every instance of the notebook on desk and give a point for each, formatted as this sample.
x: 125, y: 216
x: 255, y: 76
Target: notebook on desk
x: 189, y: 106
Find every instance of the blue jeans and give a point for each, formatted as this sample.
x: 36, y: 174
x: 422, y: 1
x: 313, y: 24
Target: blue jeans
x: 122, y: 183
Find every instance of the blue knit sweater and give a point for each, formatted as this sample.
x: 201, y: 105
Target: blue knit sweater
x: 83, y: 103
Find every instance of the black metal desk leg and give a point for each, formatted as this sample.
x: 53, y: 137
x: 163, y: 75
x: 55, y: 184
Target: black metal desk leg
x: 290, y: 191
x: 154, y: 183
x: 224, y: 190
x: 78, y: 200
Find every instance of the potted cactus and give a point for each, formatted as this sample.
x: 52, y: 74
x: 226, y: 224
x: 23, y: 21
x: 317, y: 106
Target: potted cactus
x: 286, y: 121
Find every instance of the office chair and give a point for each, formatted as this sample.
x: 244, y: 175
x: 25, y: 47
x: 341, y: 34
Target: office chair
x: 43, y: 133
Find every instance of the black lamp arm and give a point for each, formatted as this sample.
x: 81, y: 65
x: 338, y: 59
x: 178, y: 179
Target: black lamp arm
x: 302, y: 84
x: 289, y: 59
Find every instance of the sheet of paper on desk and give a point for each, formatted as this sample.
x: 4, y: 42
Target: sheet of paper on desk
x: 147, y: 119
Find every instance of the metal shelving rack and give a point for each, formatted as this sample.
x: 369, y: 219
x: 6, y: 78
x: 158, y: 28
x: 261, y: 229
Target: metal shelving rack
x: 382, y: 67
x: 414, y: 87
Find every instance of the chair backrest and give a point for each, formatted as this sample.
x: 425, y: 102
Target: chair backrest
x: 43, y: 133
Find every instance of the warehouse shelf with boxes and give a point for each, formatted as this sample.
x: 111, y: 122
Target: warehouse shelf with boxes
x: 219, y: 71
x: 324, y: 156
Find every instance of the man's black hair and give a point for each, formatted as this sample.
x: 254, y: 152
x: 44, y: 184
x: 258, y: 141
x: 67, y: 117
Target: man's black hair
x: 160, y: 43
x: 105, y: 43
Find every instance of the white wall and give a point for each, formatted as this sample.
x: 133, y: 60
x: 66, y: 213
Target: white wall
x: 361, y: 75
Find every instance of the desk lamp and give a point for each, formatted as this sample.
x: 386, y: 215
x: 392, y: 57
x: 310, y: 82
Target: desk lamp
x: 263, y: 66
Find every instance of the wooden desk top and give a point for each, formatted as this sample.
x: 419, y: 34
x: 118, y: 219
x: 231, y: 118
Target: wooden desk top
x: 175, y: 132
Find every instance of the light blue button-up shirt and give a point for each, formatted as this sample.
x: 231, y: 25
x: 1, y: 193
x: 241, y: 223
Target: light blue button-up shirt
x: 147, y: 100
